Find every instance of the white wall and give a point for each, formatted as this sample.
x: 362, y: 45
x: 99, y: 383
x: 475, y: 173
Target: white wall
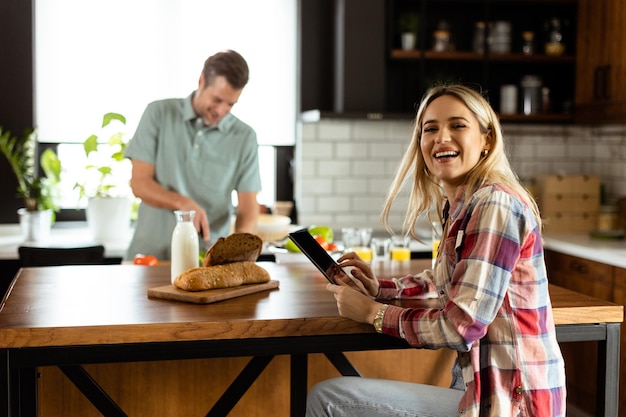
x: 343, y: 167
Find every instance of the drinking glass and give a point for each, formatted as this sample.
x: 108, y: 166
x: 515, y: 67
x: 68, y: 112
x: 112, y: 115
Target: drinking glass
x: 400, y: 249
x: 380, y: 249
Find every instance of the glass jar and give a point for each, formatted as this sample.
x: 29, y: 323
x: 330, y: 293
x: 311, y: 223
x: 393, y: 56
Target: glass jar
x: 478, y: 43
x: 608, y: 218
x: 508, y: 99
x: 500, y: 37
x: 531, y: 94
x: 442, y: 37
x: 528, y: 38
x: 554, y: 38
x: 441, y: 40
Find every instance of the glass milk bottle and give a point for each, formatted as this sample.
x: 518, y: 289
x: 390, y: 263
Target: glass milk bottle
x: 185, y: 248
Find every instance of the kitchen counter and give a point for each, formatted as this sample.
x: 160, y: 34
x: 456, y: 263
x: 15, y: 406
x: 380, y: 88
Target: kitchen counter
x: 70, y: 234
x: 606, y: 251
x: 62, y: 234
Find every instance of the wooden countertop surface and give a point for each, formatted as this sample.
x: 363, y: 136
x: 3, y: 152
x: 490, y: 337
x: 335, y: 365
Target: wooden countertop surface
x: 83, y: 305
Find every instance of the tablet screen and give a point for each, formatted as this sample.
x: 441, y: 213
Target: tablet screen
x: 316, y: 254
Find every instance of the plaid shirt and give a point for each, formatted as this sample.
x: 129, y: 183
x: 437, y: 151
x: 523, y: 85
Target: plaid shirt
x: 491, y: 280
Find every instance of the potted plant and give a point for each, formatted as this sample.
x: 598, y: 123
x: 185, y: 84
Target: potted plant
x: 39, y: 193
x: 105, y: 182
x: 407, y: 26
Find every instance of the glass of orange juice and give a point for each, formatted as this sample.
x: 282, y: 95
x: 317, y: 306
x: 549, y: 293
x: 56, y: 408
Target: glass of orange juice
x: 364, y: 252
x: 357, y: 240
x: 436, y: 238
x: 435, y: 250
x: 400, y: 249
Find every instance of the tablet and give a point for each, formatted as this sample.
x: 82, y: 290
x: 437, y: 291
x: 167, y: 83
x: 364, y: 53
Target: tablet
x: 316, y: 254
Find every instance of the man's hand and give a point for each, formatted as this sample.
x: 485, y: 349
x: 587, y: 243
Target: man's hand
x: 150, y: 192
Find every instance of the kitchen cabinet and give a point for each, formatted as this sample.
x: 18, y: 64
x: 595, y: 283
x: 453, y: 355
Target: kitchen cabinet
x: 597, y: 280
x: 365, y: 71
x: 580, y: 275
x: 601, y: 61
x: 480, y: 60
x: 342, y: 56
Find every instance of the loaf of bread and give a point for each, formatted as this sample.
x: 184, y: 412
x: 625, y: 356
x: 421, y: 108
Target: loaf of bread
x: 234, y: 248
x: 227, y: 275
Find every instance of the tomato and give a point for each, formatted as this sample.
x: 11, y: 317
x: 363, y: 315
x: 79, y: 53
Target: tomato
x: 322, y: 241
x: 146, y: 260
x: 332, y: 247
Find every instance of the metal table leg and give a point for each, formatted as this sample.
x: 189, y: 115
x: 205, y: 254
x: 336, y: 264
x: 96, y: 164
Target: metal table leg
x: 5, y: 393
x: 90, y: 389
x: 239, y: 386
x: 607, y: 397
x: 299, y: 384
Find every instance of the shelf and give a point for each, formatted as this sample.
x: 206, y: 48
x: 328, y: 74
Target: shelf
x: 474, y: 56
x: 537, y: 118
x: 313, y: 116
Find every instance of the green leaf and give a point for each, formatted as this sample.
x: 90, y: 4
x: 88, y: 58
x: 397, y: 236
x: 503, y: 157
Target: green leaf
x: 51, y: 165
x: 109, y: 117
x: 37, y: 193
x: 90, y: 144
x: 111, y: 154
x: 118, y: 156
x: 105, y: 170
x: 116, y: 139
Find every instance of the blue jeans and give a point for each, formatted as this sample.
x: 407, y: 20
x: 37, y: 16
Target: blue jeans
x: 368, y: 397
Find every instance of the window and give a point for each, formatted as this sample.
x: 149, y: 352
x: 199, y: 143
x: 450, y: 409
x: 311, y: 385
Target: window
x: 94, y: 57
x: 73, y: 161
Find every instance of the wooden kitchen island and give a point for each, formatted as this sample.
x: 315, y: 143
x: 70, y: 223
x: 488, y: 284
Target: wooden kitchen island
x: 157, y: 357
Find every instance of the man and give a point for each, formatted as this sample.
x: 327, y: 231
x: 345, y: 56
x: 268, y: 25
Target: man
x: 191, y: 154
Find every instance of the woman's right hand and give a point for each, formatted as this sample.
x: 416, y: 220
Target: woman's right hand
x: 362, y: 271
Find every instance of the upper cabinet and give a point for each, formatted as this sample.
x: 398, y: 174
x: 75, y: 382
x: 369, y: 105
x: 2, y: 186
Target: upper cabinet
x: 342, y: 57
x: 601, y: 63
x: 527, y: 46
x: 558, y: 60
x: 354, y: 62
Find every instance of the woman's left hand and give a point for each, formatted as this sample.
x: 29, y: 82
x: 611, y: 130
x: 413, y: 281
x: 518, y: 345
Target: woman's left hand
x: 353, y: 304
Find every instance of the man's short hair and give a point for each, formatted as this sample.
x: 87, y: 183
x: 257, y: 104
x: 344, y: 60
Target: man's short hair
x: 229, y: 64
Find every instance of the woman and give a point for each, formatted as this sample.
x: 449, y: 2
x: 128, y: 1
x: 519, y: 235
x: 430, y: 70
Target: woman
x: 489, y: 276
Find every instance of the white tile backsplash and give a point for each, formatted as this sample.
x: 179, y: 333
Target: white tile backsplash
x: 344, y: 167
x: 334, y: 130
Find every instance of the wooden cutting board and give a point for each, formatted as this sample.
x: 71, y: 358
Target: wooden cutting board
x: 170, y: 292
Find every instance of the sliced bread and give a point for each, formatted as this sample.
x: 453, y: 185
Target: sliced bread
x: 234, y: 248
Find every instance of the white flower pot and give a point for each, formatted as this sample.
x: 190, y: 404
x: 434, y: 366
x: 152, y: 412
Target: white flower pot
x: 109, y: 218
x: 35, y: 225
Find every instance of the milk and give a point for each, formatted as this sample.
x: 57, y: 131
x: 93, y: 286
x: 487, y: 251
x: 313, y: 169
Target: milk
x: 185, y: 248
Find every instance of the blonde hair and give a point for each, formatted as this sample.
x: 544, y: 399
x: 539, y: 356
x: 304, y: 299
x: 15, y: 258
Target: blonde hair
x: 427, y: 191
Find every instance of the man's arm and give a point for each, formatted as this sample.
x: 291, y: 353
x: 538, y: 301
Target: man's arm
x: 247, y: 212
x: 150, y: 192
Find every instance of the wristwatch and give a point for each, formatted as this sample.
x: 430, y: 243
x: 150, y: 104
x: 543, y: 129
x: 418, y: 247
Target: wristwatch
x: 378, y: 319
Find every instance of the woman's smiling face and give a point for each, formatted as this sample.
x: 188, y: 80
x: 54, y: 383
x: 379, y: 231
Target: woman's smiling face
x: 451, y: 141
